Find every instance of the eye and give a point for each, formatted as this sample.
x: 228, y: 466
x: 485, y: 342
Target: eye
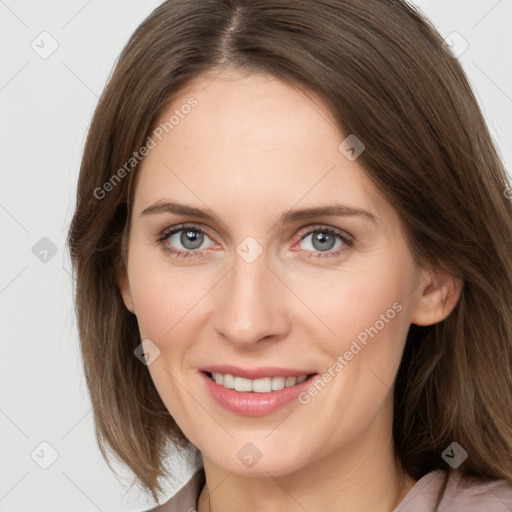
x: 192, y: 241
x: 327, y: 240
x: 184, y: 240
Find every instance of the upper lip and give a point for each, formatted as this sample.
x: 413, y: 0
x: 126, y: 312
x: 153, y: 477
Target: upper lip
x: 256, y: 373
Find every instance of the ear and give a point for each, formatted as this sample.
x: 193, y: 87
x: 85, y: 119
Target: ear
x: 438, y: 295
x: 124, y: 287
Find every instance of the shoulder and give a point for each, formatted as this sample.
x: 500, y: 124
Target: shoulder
x: 467, y: 493
x: 451, y: 491
x: 185, y: 500
x: 442, y: 491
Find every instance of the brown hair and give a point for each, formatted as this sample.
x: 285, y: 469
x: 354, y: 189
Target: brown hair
x: 382, y: 70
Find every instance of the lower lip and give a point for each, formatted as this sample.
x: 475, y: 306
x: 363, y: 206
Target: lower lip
x: 252, y: 403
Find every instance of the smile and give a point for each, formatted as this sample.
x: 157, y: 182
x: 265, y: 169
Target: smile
x: 262, y: 385
x: 258, y: 396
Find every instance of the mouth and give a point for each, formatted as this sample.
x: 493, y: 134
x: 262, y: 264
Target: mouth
x: 260, y: 385
x: 256, y: 391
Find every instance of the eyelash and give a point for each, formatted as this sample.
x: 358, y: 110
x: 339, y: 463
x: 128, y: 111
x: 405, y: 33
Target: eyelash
x: 348, y: 241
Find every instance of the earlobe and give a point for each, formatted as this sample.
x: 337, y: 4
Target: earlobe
x: 124, y: 288
x: 438, y: 295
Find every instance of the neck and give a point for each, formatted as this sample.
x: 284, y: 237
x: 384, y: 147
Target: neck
x: 361, y: 476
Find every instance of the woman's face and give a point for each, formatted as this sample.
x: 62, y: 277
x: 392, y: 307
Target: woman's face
x: 260, y: 281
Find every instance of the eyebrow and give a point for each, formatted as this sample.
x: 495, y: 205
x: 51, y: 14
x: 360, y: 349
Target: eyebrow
x: 288, y: 217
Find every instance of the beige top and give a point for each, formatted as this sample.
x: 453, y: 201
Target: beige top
x: 429, y: 494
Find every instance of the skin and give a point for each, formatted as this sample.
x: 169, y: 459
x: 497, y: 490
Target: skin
x: 252, y: 148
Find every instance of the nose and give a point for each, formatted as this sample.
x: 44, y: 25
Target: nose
x: 251, y: 304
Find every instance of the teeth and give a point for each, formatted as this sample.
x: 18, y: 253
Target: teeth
x: 261, y: 385
x: 277, y: 383
x: 264, y: 385
x: 290, y: 381
x: 242, y: 384
x: 228, y: 381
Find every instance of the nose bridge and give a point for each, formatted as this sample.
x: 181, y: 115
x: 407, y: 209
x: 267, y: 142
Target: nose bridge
x: 250, y: 306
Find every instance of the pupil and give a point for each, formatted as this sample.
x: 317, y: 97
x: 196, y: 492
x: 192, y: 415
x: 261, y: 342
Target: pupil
x: 324, y: 240
x: 191, y: 239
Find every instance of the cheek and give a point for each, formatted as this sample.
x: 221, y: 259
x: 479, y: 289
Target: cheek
x: 166, y: 307
x: 367, y: 311
x: 164, y: 296
x: 359, y: 303
x: 368, y: 314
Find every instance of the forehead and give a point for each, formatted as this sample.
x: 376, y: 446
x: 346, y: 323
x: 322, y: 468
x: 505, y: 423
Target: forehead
x: 253, y: 140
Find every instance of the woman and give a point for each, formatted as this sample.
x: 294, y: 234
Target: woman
x: 292, y: 252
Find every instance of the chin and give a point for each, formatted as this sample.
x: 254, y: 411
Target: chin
x: 249, y: 460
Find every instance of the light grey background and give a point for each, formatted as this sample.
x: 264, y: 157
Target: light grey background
x: 46, y: 106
